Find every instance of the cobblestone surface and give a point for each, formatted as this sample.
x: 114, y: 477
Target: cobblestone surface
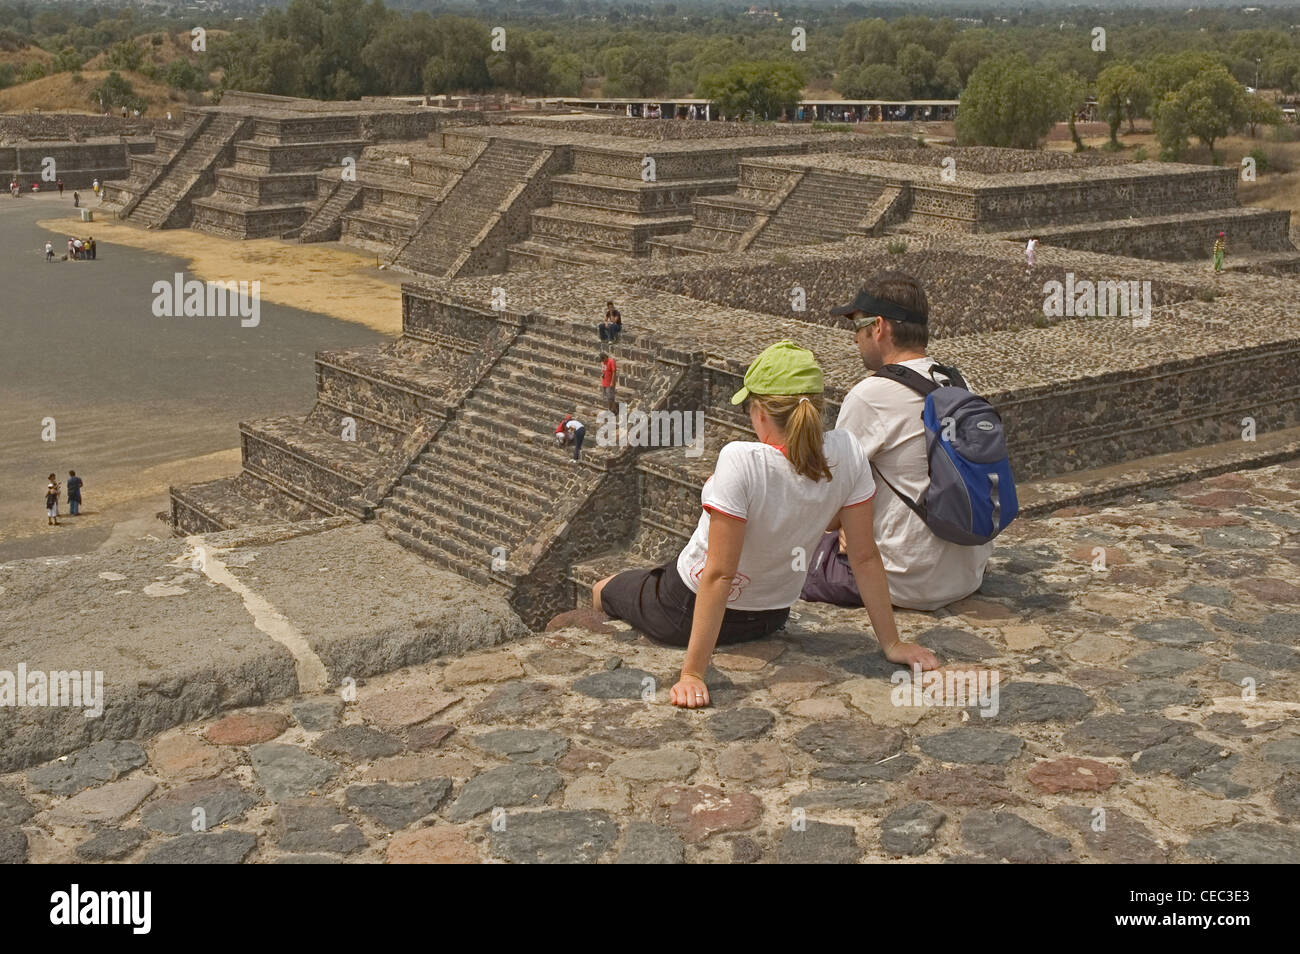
x: 1147, y: 713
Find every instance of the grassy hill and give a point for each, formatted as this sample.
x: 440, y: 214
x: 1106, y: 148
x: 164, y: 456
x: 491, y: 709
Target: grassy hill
x: 62, y: 93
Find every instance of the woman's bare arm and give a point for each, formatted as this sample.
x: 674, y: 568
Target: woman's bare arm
x: 726, y: 539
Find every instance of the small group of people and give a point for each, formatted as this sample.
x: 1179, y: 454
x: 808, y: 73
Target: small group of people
x: 77, y: 249
x: 52, y: 491
x: 852, y: 499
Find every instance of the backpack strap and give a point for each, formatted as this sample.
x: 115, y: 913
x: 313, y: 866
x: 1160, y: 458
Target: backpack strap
x: 912, y: 505
x: 908, y: 378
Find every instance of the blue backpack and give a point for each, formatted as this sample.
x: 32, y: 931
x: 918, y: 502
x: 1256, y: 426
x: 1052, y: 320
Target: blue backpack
x: 972, y: 495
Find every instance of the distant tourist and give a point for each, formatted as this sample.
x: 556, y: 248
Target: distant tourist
x: 13, y: 188
x: 36, y: 187
x: 90, y: 247
x: 71, y: 249
x: 1220, y: 248
x: 49, y: 251
x: 60, y: 185
x: 925, y: 572
x: 575, y: 431
x: 735, y: 580
x: 612, y: 326
x: 1030, y: 249
x: 74, y: 493
x: 76, y: 200
x: 95, y: 185
x: 608, y: 380
x: 52, y: 502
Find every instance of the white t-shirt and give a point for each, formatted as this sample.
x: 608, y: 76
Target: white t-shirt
x: 785, y: 516
x: 573, y: 426
x: 924, y: 572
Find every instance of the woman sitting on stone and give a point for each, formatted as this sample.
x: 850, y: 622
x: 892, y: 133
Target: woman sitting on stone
x: 764, y: 511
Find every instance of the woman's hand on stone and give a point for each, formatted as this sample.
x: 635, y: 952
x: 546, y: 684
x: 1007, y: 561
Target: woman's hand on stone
x: 690, y: 692
x: 910, y: 654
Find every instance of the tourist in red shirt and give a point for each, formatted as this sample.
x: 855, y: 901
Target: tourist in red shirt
x: 608, y: 380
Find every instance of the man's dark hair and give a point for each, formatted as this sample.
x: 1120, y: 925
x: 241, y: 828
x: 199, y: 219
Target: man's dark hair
x: 604, y: 356
x: 903, y: 290
x: 72, y: 473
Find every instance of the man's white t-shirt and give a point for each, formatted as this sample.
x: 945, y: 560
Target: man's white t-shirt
x: 924, y: 572
x: 785, y: 516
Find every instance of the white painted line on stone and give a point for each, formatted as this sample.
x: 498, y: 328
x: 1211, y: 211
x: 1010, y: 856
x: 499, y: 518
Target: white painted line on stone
x: 312, y: 675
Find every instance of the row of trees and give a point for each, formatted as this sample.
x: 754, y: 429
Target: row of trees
x: 1012, y: 102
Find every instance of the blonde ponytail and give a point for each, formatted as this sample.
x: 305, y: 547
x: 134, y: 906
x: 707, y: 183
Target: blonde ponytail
x: 799, y: 416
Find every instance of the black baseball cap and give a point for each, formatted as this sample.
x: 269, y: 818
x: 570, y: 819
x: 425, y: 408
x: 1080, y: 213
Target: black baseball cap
x: 868, y: 304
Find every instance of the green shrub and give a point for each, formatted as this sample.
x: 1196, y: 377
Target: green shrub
x: 896, y: 247
x: 1140, y: 154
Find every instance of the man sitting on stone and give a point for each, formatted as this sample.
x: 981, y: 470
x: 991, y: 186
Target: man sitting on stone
x: 891, y: 315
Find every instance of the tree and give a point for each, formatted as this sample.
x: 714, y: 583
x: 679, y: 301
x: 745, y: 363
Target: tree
x: 1010, y: 103
x: 1207, y: 107
x: 917, y: 65
x: 459, y: 60
x: 398, y: 52
x: 114, y: 91
x: 967, y: 50
x: 866, y: 42
x: 1170, y: 72
x: 126, y: 56
x: 1121, y: 91
x: 875, y: 81
x: 634, y: 70
x: 1260, y: 112
x: 759, y: 89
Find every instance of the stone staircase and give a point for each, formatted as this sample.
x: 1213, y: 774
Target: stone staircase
x: 375, y: 410
x: 488, y: 498
x: 326, y: 221
x: 447, y: 235
x: 164, y: 202
x: 822, y: 207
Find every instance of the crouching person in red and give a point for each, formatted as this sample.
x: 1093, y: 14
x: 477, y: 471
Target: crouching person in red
x: 766, y: 505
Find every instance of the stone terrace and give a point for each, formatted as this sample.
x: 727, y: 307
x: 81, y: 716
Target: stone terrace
x: 1120, y: 689
x: 436, y: 439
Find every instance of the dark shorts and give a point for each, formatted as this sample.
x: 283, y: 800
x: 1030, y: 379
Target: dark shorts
x: 660, y: 605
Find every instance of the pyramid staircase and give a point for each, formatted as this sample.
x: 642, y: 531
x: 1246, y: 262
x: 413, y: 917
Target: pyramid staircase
x: 495, y: 499
x: 465, y: 232
x: 161, y: 197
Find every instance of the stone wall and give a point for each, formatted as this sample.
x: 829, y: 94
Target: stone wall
x: 70, y: 127
x: 967, y: 293
x: 77, y: 164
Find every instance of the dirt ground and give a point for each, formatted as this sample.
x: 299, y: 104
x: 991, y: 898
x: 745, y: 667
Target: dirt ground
x: 143, y: 405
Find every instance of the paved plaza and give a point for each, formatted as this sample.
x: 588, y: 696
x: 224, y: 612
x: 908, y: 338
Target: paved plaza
x: 1148, y: 666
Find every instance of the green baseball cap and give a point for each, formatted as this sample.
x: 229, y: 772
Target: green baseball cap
x: 782, y: 368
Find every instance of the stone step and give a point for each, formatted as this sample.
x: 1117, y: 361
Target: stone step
x: 487, y: 519
x: 452, y: 533
x: 457, y: 458
x: 448, y: 556
x: 534, y: 253
x: 442, y: 466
